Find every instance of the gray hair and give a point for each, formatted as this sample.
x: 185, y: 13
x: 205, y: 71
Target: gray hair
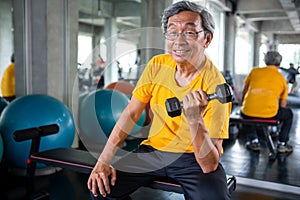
x: 273, y: 58
x: 12, y: 58
x: 207, y: 19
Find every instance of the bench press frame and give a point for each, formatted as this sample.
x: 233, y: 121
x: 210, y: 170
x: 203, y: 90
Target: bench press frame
x: 81, y: 161
x: 237, y: 119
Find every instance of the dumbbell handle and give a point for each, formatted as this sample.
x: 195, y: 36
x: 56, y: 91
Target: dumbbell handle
x: 223, y: 93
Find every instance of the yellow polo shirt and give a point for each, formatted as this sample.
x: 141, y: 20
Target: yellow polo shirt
x: 157, y: 84
x: 8, y: 81
x: 266, y: 87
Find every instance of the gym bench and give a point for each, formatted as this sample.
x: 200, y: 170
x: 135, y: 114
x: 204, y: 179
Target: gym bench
x: 80, y: 160
x: 264, y: 124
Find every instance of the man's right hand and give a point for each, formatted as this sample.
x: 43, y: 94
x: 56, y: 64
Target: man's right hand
x: 100, y: 179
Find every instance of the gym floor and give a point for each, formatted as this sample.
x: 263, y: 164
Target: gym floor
x: 257, y: 176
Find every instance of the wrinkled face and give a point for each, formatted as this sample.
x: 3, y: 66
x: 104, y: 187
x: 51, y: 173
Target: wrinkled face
x: 184, y: 49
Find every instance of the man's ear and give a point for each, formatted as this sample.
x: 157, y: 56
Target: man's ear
x: 209, y: 38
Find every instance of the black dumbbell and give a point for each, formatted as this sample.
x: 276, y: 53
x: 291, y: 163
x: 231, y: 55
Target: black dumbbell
x: 223, y: 93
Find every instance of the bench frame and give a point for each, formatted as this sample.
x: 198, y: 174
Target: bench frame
x: 80, y: 161
x: 237, y: 119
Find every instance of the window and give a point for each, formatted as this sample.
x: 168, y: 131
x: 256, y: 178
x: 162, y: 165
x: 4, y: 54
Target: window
x: 244, y: 50
x: 290, y: 53
x: 84, y: 48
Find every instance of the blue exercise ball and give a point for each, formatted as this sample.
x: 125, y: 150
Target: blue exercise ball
x: 109, y: 105
x: 82, y: 96
x: 98, y: 114
x: 3, y: 104
x: 33, y: 111
x: 89, y: 130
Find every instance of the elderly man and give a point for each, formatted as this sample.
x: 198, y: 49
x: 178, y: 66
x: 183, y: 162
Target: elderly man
x: 188, y: 147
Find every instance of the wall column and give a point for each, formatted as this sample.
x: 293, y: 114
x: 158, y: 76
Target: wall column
x: 46, y: 47
x: 6, y: 34
x: 229, y: 53
x: 257, y: 44
x: 152, y: 41
x: 111, y: 36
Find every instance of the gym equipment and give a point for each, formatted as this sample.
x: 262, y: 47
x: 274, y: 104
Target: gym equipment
x: 98, y: 114
x: 223, y: 93
x: 127, y: 88
x: 35, y: 111
x: 237, y: 119
x: 35, y: 134
x: 90, y: 132
x: 122, y: 86
x: 109, y: 105
x: 81, y: 97
x: 83, y: 162
x: 3, y: 104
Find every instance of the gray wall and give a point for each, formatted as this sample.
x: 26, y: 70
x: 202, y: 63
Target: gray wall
x: 46, y: 47
x: 6, y: 34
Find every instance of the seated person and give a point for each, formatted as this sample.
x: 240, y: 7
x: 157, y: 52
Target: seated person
x: 264, y: 96
x: 8, y: 81
x: 186, y: 148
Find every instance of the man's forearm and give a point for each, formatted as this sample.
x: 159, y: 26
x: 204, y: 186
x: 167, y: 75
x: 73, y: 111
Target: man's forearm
x: 206, y: 152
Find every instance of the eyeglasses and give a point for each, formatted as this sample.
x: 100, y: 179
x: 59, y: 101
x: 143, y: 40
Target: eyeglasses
x: 188, y: 35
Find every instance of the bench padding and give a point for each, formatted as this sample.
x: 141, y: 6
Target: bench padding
x: 83, y: 162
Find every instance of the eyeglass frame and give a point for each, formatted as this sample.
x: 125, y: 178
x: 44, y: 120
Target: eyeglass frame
x: 183, y: 34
